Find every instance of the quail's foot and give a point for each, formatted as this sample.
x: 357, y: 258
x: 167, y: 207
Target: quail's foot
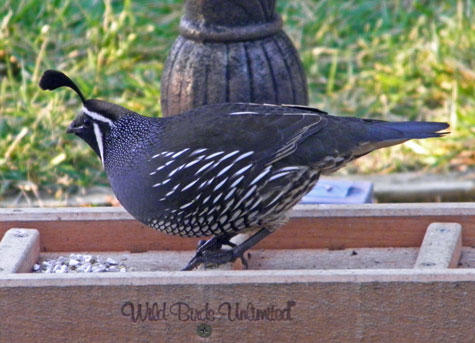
x: 211, y: 251
x: 214, y: 258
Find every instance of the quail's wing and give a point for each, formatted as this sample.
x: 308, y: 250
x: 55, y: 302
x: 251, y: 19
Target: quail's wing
x: 272, y: 132
x: 225, y: 151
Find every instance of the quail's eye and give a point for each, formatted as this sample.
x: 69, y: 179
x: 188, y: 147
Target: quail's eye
x: 87, y: 122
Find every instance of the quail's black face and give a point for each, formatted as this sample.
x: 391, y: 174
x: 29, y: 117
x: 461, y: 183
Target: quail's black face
x: 95, y: 121
x: 82, y: 126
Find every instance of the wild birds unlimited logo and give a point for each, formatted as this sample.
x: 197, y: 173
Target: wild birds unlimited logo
x: 184, y: 312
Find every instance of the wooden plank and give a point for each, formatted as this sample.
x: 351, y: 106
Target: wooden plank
x: 409, y: 305
x: 441, y: 247
x: 19, y: 250
x: 310, y: 227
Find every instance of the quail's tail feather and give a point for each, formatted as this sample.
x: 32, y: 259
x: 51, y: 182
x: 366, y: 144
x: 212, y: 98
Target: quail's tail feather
x: 382, y: 130
x: 381, y: 134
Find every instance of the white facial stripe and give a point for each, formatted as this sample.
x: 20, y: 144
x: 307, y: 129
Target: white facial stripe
x: 97, y: 116
x: 98, y: 134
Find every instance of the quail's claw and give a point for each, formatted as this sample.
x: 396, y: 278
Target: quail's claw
x: 206, y: 247
x: 209, y: 258
x: 210, y: 252
x: 194, y: 262
x: 216, y: 258
x: 202, y: 247
x: 244, y: 262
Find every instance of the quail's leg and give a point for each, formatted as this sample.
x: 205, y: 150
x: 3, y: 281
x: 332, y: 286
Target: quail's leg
x: 210, y: 253
x: 213, y: 244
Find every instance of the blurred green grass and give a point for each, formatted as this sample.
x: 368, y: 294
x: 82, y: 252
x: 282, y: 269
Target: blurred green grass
x: 392, y: 60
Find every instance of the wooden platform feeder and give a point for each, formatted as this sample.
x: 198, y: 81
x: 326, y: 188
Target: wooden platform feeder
x: 334, y: 273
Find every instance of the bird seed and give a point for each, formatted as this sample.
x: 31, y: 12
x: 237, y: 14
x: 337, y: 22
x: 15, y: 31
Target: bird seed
x: 79, y: 263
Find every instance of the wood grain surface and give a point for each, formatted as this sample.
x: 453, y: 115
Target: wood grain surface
x: 307, y: 305
x: 407, y: 305
x: 310, y: 227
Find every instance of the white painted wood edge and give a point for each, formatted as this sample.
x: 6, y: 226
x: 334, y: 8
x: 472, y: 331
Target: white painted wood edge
x: 223, y: 277
x: 441, y: 246
x: 19, y: 250
x: 299, y: 211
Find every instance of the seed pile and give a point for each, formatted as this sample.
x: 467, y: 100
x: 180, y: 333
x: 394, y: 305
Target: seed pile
x: 79, y: 263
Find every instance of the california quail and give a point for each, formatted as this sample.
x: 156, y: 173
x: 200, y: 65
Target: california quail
x: 226, y: 168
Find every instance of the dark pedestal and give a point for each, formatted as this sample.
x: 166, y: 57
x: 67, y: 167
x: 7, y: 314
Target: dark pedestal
x: 231, y: 51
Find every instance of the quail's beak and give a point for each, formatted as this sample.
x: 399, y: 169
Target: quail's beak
x: 74, y: 128
x: 70, y: 128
